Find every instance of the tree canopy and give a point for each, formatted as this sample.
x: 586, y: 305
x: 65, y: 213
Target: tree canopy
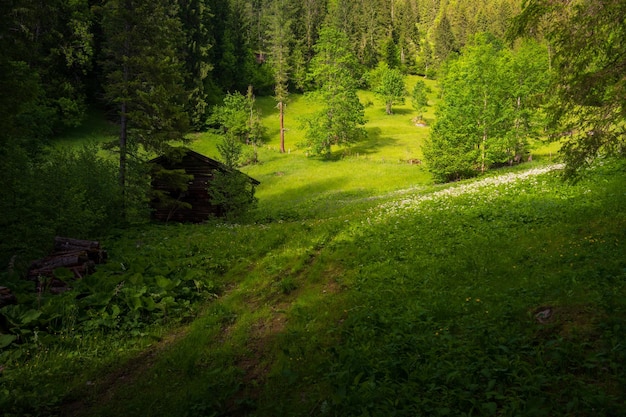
x: 339, y: 122
x: 487, y: 109
x: 588, y: 105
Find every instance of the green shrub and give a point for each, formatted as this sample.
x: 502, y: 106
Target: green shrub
x: 232, y: 192
x: 72, y: 193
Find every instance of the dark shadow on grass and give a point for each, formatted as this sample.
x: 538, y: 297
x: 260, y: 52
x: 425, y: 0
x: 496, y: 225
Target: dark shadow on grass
x: 401, y: 111
x: 303, y: 192
x: 375, y: 140
x: 301, y: 200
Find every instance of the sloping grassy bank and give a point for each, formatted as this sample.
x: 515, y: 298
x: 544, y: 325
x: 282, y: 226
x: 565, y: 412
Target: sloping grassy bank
x: 503, y: 296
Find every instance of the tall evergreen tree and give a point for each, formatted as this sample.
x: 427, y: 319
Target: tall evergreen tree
x: 195, y: 18
x: 280, y: 36
x: 143, y: 75
x: 54, y: 39
x: 444, y: 43
x: 408, y: 34
x: 333, y: 68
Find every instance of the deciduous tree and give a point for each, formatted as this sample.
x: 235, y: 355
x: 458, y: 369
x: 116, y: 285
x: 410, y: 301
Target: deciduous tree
x: 487, y: 113
x: 588, y: 107
x: 389, y: 86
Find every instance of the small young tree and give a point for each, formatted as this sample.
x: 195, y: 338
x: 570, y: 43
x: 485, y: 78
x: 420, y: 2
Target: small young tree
x: 389, y: 86
x: 419, y: 97
x: 238, y: 117
x: 238, y: 122
x: 232, y: 192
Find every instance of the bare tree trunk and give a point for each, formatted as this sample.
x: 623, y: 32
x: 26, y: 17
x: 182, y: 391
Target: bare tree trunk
x: 484, y: 141
x: 124, y: 128
x: 282, y: 126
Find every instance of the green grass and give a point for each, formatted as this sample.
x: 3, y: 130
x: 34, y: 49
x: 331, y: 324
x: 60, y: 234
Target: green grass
x: 357, y: 288
x: 380, y: 164
x: 423, y: 305
x: 95, y: 128
x: 416, y: 303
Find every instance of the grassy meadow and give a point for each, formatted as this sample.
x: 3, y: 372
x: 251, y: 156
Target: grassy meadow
x: 357, y: 288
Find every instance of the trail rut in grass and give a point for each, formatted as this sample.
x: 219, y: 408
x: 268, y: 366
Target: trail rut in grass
x: 104, y: 389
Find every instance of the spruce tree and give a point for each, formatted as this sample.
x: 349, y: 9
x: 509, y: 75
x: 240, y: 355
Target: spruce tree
x: 195, y: 19
x: 280, y: 36
x: 144, y: 76
x: 333, y: 68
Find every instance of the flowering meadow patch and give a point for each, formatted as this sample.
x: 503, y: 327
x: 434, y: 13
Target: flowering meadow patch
x: 481, y: 191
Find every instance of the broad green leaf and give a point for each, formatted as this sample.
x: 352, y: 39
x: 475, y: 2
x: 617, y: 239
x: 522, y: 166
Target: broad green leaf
x: 6, y: 340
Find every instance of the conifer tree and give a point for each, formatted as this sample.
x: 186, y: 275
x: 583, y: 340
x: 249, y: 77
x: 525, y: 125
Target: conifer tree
x: 195, y: 19
x: 280, y: 36
x: 588, y: 101
x: 333, y: 68
x: 143, y: 75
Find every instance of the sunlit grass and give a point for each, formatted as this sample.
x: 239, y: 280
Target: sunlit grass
x: 429, y: 299
x: 359, y: 288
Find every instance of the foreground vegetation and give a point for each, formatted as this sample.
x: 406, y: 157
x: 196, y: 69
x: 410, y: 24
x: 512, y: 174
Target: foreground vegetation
x: 503, y: 296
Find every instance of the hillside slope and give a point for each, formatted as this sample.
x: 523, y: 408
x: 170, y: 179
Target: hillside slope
x: 503, y: 296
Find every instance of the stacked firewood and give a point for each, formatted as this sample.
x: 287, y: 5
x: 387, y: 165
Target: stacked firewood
x: 77, y: 256
x: 6, y: 297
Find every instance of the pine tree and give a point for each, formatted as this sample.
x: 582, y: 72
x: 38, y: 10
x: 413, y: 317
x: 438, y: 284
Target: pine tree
x: 444, y: 43
x: 195, y: 18
x: 280, y: 36
x: 588, y: 100
x: 143, y: 75
x: 333, y: 69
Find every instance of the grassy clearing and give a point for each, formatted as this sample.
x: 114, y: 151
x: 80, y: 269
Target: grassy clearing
x: 95, y: 128
x: 498, y: 297
x: 357, y: 288
x: 503, y: 296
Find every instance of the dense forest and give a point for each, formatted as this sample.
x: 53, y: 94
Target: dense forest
x: 71, y: 52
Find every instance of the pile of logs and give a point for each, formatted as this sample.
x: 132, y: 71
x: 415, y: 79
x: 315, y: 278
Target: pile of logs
x: 77, y: 256
x: 6, y: 297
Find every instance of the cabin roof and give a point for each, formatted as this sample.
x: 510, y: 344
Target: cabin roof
x: 163, y: 159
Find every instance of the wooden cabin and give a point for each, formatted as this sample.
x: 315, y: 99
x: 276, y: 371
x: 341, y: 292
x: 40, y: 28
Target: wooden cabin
x: 193, y: 204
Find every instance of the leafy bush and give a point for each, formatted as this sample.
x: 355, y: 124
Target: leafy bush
x: 232, y: 192
x: 72, y: 193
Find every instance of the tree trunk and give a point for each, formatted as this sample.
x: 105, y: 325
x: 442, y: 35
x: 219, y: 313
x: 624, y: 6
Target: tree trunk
x: 124, y: 125
x: 282, y: 126
x: 389, y: 111
x: 484, y: 141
